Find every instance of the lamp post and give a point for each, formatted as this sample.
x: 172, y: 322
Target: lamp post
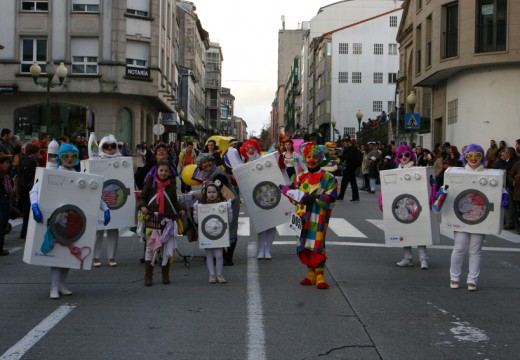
x: 411, y: 100
x: 333, y: 124
x: 51, y: 71
x: 359, y: 116
x: 180, y: 112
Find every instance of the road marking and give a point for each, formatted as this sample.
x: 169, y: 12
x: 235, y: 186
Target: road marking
x: 16, y: 222
x: 255, y: 322
x: 342, y: 227
x: 244, y: 227
x: 18, y: 350
x: 15, y: 249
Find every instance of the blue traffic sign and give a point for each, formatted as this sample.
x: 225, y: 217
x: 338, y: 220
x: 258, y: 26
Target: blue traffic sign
x: 412, y: 121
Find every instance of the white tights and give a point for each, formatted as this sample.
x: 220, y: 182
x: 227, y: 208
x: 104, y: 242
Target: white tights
x: 112, y: 239
x: 265, y: 241
x: 464, y: 243
x: 218, y: 254
x: 58, y: 277
x: 423, y: 255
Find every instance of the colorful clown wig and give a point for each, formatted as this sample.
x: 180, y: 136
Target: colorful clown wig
x: 66, y: 148
x: 163, y: 145
x: 203, y: 157
x: 311, y: 148
x: 248, y: 144
x: 401, y: 149
x: 474, y: 148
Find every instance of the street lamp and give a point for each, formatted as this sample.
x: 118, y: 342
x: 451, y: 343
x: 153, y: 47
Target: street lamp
x: 359, y: 116
x: 51, y: 71
x: 333, y: 123
x: 411, y: 100
x: 180, y: 112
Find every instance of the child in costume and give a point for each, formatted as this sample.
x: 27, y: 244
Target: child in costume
x: 215, y: 256
x: 465, y: 242
x: 291, y: 159
x: 251, y: 150
x: 68, y: 157
x: 321, y: 190
x: 159, y: 195
x: 405, y: 158
x: 108, y: 148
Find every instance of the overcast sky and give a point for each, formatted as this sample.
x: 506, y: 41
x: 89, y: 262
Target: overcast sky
x: 248, y: 34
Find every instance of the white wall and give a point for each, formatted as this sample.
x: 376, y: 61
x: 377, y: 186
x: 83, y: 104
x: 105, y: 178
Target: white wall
x: 488, y: 106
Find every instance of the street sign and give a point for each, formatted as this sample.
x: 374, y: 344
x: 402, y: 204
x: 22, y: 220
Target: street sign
x: 158, y: 129
x: 412, y: 121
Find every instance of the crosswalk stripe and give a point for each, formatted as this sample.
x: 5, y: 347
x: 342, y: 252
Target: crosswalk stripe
x: 342, y: 227
x: 244, y: 227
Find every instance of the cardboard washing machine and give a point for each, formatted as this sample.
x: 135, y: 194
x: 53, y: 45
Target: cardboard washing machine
x: 69, y: 202
x: 407, y: 217
x: 118, y: 189
x: 213, y: 225
x: 474, y: 201
x: 259, y: 182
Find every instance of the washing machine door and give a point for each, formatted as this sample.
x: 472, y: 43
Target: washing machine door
x: 266, y: 195
x: 67, y: 224
x: 115, y: 194
x: 214, y: 227
x: 472, y: 207
x: 406, y: 208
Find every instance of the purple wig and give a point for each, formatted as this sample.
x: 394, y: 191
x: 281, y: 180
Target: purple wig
x: 401, y: 149
x: 474, y: 148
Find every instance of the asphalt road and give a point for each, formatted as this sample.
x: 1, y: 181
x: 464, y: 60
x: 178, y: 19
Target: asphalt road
x: 373, y: 309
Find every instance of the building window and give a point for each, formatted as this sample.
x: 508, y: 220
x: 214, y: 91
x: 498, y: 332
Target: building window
x: 451, y: 30
x: 377, y: 106
x: 378, y: 78
x: 343, y: 48
x: 418, y: 49
x: 136, y: 62
x: 358, y: 48
x: 84, y: 56
x: 392, y: 49
x: 452, y: 111
x: 343, y: 77
x: 393, y: 21
x: 35, y: 5
x: 392, y: 78
x: 138, y: 7
x: 356, y: 78
x: 33, y: 50
x: 491, y: 32
x: 378, y: 49
x: 428, y: 41
x: 391, y: 107
x: 137, y: 54
x: 85, y: 5
x: 349, y: 131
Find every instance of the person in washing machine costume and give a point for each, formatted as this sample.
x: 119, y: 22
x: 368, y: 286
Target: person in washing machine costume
x: 473, y: 159
x: 68, y: 157
x: 107, y: 149
x: 251, y: 150
x: 320, y: 190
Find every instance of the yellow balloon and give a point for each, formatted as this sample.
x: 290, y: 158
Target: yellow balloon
x: 187, y: 174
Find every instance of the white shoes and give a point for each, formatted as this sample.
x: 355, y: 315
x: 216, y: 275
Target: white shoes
x: 96, y: 263
x: 424, y: 264
x: 405, y: 263
x: 472, y: 287
x: 64, y: 291
x: 221, y: 279
x: 212, y: 279
x: 54, y: 294
x: 454, y: 284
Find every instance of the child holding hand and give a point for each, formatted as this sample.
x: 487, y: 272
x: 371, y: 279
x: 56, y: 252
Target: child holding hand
x: 214, y: 256
x: 159, y: 195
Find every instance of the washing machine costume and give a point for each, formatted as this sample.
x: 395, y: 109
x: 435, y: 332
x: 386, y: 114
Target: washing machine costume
x: 407, y: 194
x: 69, y: 203
x: 474, y: 206
x: 320, y: 190
x: 118, y: 194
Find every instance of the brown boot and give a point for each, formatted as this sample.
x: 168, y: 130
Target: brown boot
x: 166, y: 274
x: 148, y: 275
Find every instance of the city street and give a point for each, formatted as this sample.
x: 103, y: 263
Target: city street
x: 372, y: 310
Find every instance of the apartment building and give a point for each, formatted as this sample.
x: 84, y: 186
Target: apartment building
x: 463, y: 60
x: 121, y: 61
x: 214, y: 58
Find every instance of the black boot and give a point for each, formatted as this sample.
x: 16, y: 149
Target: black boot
x: 228, y: 254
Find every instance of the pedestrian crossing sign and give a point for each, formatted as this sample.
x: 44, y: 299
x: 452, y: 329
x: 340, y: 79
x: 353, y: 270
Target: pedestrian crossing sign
x: 412, y: 121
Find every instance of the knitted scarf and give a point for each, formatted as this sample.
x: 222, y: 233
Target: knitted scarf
x: 160, y: 194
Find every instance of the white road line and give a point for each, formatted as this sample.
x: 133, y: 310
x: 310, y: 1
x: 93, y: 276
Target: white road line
x: 244, y: 227
x: 16, y: 222
x: 15, y: 249
x: 342, y: 227
x: 18, y: 350
x: 283, y: 230
x: 255, y: 321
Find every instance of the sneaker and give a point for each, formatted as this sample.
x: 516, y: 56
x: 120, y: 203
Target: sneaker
x: 54, y: 294
x: 212, y: 279
x: 454, y: 284
x: 424, y: 264
x: 64, y: 291
x: 268, y: 256
x: 97, y: 263
x: 405, y: 262
x: 221, y: 279
x: 472, y: 287
x: 112, y: 262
